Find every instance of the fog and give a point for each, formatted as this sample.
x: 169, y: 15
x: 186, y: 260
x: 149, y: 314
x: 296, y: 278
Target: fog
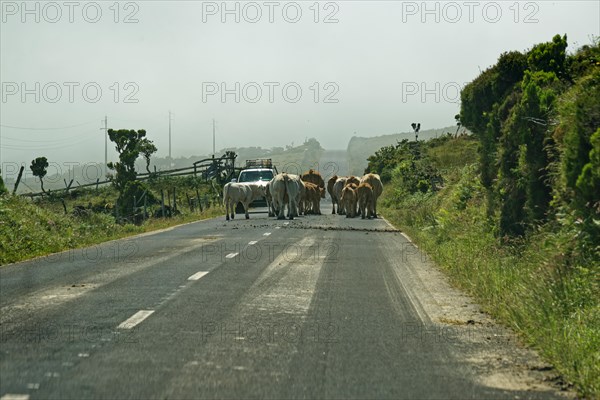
x: 283, y: 72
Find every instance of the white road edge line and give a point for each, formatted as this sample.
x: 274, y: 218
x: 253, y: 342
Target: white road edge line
x: 231, y: 255
x: 252, y: 243
x: 409, y: 239
x: 9, y: 396
x: 197, y: 275
x: 135, y: 319
x: 388, y: 222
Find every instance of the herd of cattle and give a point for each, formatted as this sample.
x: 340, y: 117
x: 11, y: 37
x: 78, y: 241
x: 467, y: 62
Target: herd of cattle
x: 302, y: 195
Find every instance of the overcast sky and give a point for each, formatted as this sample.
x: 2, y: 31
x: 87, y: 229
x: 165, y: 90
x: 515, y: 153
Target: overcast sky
x: 367, y: 68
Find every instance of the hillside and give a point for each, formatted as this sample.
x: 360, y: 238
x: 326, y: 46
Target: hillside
x: 292, y: 159
x: 360, y: 148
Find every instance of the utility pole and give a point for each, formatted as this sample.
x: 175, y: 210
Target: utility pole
x: 213, y: 137
x: 105, y: 129
x: 169, y: 135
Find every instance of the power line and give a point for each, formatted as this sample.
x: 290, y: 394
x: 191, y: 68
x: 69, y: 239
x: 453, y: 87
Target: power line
x: 44, y: 129
x: 43, y: 147
x: 57, y: 140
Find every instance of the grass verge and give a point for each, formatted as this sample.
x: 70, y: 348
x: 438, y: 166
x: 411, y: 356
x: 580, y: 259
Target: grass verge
x: 544, y: 286
x: 28, y: 230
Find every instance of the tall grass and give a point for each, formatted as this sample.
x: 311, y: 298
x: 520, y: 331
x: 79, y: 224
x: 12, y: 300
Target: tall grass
x: 543, y: 286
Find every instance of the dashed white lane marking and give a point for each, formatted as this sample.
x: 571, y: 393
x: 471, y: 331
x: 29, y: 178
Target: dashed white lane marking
x: 252, y: 243
x: 266, y: 233
x: 197, y: 276
x: 277, y: 227
x: 231, y: 255
x: 286, y: 223
x: 135, y: 319
x: 15, y: 397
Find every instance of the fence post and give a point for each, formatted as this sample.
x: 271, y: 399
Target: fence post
x: 18, y: 180
x: 145, y: 207
x: 189, y: 202
x: 162, y: 202
x: 68, y: 186
x: 169, y: 199
x: 174, y: 200
x: 199, y: 200
x: 97, y: 181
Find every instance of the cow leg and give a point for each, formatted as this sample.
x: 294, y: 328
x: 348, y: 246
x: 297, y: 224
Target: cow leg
x: 270, y: 208
x: 333, y: 206
x: 281, y: 211
x: 246, y: 207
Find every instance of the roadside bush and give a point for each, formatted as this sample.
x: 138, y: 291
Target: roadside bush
x: 3, y: 189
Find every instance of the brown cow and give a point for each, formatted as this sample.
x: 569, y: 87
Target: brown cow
x: 334, y: 199
x: 315, y: 178
x: 312, y: 199
x: 348, y: 200
x: 375, y: 182
x: 353, y: 179
x: 364, y: 193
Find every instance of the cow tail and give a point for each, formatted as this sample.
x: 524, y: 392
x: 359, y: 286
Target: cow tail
x: 286, y: 182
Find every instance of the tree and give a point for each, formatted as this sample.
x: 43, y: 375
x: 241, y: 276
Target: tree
x: 458, y: 124
x: 580, y: 119
x: 129, y: 145
x: 588, y: 181
x: 38, y: 168
x: 416, y: 128
x: 147, y: 148
x: 3, y: 189
x: 549, y: 57
x: 539, y: 97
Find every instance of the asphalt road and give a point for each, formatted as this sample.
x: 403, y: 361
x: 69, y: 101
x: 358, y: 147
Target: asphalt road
x: 318, y: 307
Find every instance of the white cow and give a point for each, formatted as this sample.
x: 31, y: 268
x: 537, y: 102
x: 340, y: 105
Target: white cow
x: 286, y: 189
x: 244, y: 193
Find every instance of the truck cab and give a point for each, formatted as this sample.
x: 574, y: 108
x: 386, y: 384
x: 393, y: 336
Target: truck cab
x: 259, y: 171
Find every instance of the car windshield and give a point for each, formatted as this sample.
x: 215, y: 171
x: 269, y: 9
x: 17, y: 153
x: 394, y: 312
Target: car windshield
x: 255, y: 176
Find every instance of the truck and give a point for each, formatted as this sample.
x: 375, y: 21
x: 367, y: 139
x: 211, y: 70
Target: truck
x: 259, y: 171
